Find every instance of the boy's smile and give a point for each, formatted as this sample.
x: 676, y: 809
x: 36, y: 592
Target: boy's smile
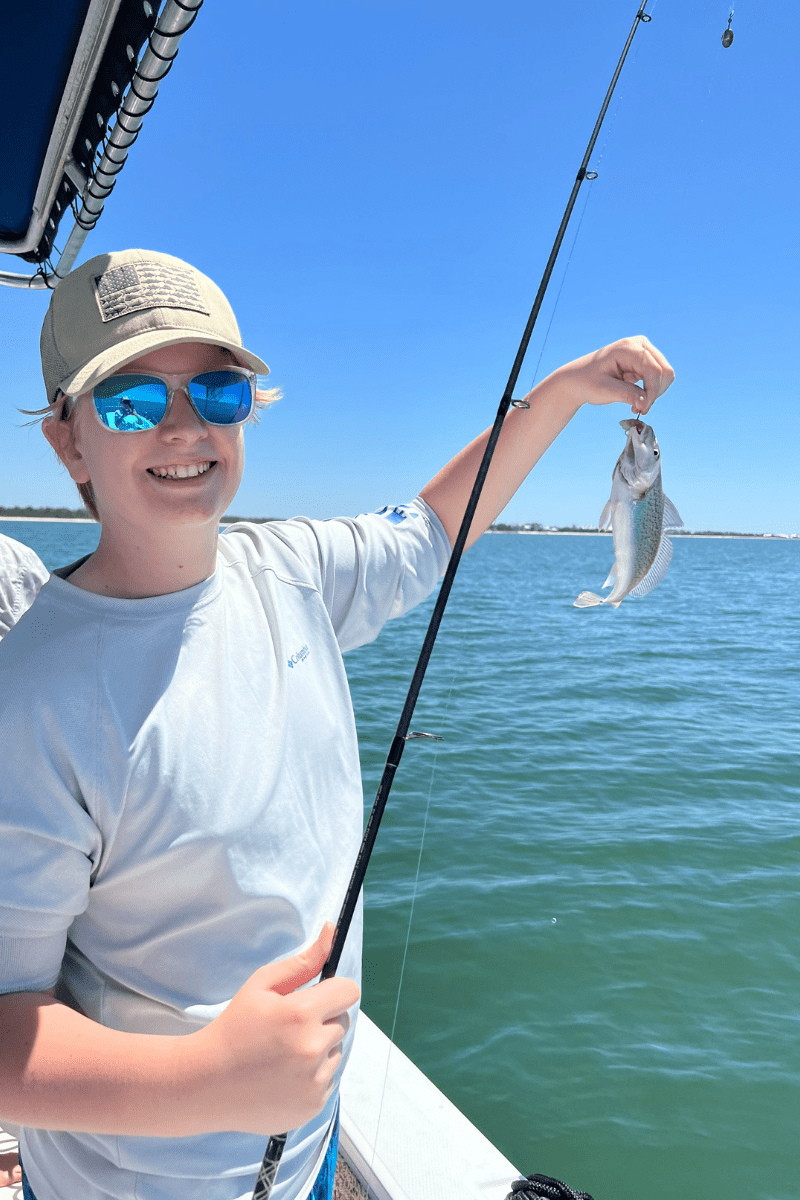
x: 160, y: 492
x: 181, y: 471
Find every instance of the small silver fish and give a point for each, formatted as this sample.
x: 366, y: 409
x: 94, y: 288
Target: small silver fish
x: 639, y: 513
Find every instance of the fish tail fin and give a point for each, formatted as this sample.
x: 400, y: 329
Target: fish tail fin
x: 588, y: 600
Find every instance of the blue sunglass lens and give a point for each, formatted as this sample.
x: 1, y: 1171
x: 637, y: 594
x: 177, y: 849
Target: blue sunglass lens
x: 221, y: 397
x: 130, y: 401
x: 127, y: 402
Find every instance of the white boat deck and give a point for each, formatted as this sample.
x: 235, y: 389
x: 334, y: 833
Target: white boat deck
x: 401, y: 1138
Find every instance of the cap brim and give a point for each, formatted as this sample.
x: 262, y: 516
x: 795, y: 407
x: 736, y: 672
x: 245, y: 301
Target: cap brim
x: 114, y: 357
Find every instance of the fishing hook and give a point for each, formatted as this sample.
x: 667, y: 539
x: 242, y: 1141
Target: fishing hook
x: 272, y: 1158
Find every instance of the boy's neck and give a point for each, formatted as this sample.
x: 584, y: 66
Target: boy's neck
x: 135, y: 568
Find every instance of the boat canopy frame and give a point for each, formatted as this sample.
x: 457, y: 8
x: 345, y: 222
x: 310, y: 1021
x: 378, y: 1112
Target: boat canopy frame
x: 108, y: 79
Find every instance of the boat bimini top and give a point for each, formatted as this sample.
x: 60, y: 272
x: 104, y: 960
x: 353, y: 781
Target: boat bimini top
x: 78, y: 77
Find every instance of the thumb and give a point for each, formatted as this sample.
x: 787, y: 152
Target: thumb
x: 290, y: 974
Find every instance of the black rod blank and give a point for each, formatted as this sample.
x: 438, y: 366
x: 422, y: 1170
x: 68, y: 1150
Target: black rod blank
x: 398, y: 743
x: 272, y: 1158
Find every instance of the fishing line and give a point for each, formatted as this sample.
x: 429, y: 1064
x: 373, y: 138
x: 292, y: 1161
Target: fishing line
x: 405, y: 948
x: 697, y: 126
x: 274, y: 1153
x: 590, y: 175
x: 458, y: 668
x: 560, y: 290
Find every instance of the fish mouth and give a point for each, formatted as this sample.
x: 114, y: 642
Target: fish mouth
x: 639, y: 462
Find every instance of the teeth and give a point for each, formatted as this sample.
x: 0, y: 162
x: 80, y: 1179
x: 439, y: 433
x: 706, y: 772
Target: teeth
x: 181, y: 472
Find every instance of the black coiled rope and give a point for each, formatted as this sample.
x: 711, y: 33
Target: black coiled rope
x: 544, y: 1187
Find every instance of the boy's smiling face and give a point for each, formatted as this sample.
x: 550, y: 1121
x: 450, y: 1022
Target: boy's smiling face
x: 127, y: 470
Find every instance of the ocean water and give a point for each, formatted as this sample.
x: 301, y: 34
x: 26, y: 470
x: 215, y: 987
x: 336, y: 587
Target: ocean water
x: 594, y: 880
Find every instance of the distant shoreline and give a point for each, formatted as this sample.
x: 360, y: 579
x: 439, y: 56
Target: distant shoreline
x: 673, y: 533
x: 54, y: 520
x: 762, y: 537
x: 91, y: 520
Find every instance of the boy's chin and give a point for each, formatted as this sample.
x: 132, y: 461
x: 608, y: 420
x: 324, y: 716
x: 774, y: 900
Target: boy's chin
x: 153, y: 520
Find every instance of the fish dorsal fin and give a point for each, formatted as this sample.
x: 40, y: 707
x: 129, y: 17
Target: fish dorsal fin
x: 605, y: 517
x: 612, y: 576
x: 672, y: 518
x: 658, y: 570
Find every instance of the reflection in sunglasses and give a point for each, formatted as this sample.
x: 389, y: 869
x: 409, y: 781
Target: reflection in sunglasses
x: 126, y: 417
x: 134, y: 402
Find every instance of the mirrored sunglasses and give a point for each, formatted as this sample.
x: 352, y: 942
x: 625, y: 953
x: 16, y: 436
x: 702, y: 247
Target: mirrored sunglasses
x: 130, y: 403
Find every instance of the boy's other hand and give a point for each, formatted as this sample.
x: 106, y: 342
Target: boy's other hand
x: 10, y: 1170
x: 270, y: 1058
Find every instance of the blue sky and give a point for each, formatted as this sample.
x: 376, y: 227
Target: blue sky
x: 376, y: 187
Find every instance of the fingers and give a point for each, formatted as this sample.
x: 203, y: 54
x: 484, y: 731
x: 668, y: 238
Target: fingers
x: 612, y: 374
x: 10, y: 1171
x: 329, y: 1000
x: 290, y: 974
x: 638, y: 359
x: 332, y: 998
x: 276, y: 1029
x: 334, y: 1034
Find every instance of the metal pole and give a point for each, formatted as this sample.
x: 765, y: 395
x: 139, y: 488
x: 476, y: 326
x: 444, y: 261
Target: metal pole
x: 162, y: 48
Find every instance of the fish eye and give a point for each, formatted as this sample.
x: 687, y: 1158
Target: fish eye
x: 655, y: 454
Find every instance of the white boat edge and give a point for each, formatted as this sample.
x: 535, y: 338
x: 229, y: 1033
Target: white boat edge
x: 400, y: 1136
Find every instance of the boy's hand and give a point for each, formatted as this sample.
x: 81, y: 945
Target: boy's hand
x: 269, y: 1059
x: 10, y: 1170
x: 599, y: 378
x: 612, y: 373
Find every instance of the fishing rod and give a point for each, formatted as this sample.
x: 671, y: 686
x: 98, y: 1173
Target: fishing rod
x: 272, y: 1158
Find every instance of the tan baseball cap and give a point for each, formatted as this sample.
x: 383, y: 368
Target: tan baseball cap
x: 118, y: 306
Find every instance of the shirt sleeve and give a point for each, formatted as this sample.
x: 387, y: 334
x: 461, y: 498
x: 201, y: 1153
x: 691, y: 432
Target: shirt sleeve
x: 22, y: 573
x: 369, y: 569
x: 380, y: 566
x: 50, y: 844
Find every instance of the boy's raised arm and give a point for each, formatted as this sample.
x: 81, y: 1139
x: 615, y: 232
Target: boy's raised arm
x: 599, y: 378
x: 265, y: 1064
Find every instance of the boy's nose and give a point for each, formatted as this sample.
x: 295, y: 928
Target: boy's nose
x: 182, y: 420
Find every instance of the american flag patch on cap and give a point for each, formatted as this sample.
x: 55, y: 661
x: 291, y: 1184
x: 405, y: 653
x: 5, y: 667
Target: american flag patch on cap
x: 136, y: 286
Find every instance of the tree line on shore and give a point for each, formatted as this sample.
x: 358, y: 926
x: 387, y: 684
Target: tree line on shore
x: 83, y: 514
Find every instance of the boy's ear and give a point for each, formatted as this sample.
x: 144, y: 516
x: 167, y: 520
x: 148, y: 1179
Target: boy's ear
x: 61, y: 436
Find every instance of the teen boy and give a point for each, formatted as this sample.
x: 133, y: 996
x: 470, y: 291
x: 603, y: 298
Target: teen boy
x: 180, y: 792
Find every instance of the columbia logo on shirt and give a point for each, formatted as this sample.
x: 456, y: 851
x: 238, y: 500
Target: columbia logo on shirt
x: 299, y: 656
x: 396, y: 513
